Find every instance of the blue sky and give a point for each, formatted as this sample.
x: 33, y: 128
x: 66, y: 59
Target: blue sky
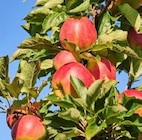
x: 11, y: 35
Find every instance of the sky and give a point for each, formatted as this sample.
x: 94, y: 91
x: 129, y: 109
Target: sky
x: 12, y: 13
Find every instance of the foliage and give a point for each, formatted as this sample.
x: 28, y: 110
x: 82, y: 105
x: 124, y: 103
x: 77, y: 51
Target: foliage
x: 97, y: 113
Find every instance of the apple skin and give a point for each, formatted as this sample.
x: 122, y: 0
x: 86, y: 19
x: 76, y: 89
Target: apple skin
x: 131, y: 93
x: 61, y: 79
x: 102, y: 69
x: 63, y: 58
x: 134, y: 38
x: 29, y: 127
x: 13, y: 114
x: 12, y: 118
x: 79, y: 31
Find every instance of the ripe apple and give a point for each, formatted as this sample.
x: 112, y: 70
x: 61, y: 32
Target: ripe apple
x: 102, y: 69
x: 61, y: 79
x: 79, y: 31
x: 63, y: 58
x: 13, y: 115
x: 131, y: 93
x: 134, y: 38
x: 29, y: 127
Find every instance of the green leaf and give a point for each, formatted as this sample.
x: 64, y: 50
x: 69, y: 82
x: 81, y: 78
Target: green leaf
x: 124, y: 49
x: 53, y: 20
x: 46, y: 64
x: 82, y: 7
x: 60, y: 136
x: 37, y: 42
x: 40, y: 2
x: 37, y: 16
x: 13, y: 88
x: 53, y: 3
x: 135, y: 68
x: 71, y: 114
x: 21, y: 53
x: 61, y: 103
x: 28, y: 72
x: 4, y: 65
x: 131, y: 15
x: 105, y: 24
x: 93, y: 92
x: 71, y: 4
x: 79, y: 87
x: 74, y: 132
x: 93, y: 129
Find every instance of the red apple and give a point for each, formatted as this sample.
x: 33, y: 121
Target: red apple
x: 63, y: 58
x: 61, y: 79
x: 29, y: 127
x: 102, y: 69
x: 79, y: 31
x: 13, y: 115
x: 131, y: 93
x: 134, y: 38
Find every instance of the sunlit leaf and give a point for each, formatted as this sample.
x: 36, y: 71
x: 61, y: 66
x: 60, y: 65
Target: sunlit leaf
x: 4, y: 67
x: 93, y: 92
x: 28, y: 72
x: 79, y: 87
x: 131, y: 15
x: 82, y: 7
x: 70, y: 4
x: 53, y: 20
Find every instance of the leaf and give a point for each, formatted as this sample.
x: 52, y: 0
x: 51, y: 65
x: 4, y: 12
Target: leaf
x: 53, y: 20
x: 61, y: 103
x: 74, y: 132
x: 71, y: 114
x: 135, y: 68
x: 21, y: 53
x: 4, y: 65
x: 46, y: 64
x: 37, y: 16
x: 93, y: 92
x: 105, y: 24
x: 79, y: 87
x: 37, y: 42
x: 93, y: 129
x: 71, y: 4
x: 28, y: 72
x: 131, y: 15
x: 82, y: 7
x: 40, y: 2
x: 125, y: 50
x: 52, y: 3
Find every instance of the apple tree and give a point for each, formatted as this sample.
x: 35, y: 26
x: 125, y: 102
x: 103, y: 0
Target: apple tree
x: 77, y: 49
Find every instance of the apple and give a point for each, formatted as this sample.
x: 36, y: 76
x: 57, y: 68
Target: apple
x: 61, y: 79
x: 13, y: 115
x: 131, y: 93
x: 79, y: 31
x: 102, y: 69
x: 134, y: 38
x: 29, y: 127
x: 63, y: 58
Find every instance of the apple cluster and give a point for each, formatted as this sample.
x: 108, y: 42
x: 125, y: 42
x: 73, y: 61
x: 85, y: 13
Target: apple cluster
x: 25, y: 124
x: 77, y: 35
